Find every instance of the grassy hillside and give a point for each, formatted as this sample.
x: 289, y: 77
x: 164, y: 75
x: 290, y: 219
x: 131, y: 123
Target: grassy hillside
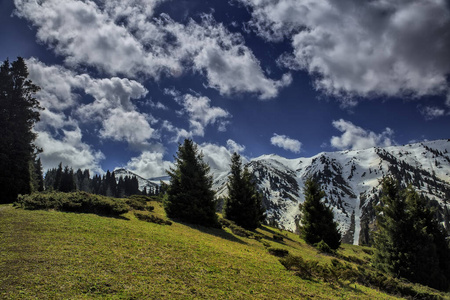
x: 57, y: 255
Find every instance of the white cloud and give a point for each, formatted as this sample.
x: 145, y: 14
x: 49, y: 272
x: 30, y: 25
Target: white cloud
x: 123, y: 37
x: 84, y: 34
x: 202, y: 114
x: 70, y: 150
x: 149, y: 164
x: 228, y: 64
x: 180, y: 133
x: 362, y: 48
x: 217, y: 157
x: 286, y: 143
x: 432, y: 112
x: 355, y: 138
x: 57, y: 85
x: 112, y: 106
x: 235, y: 147
x: 128, y: 126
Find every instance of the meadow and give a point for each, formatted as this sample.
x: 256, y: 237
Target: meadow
x: 48, y: 254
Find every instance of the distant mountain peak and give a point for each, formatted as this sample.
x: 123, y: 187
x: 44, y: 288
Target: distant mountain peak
x: 351, y: 180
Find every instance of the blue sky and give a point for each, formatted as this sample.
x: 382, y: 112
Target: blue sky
x: 124, y: 81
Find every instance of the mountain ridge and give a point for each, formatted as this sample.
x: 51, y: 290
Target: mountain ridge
x: 351, y: 180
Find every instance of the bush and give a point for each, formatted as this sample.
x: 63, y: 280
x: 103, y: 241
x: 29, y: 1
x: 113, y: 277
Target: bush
x: 338, y: 271
x: 239, y: 231
x: 277, y: 237
x: 297, y: 264
x: 323, y: 247
x: 152, y: 219
x: 80, y: 202
x: 135, y: 204
x: 278, y: 252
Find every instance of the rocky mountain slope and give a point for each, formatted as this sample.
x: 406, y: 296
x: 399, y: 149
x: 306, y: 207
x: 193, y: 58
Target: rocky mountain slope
x: 351, y: 180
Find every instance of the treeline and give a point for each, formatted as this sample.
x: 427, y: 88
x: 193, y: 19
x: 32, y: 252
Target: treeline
x: 65, y: 179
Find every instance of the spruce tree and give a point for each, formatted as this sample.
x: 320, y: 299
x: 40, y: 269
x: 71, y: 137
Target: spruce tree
x: 190, y: 197
x: 38, y: 176
x: 243, y: 204
x: 19, y: 111
x: 409, y: 242
x: 317, y: 219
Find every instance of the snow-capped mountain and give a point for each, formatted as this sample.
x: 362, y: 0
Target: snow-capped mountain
x: 147, y: 184
x: 351, y: 180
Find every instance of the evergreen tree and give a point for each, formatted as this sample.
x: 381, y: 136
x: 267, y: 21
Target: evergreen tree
x: 121, y: 188
x: 19, y: 111
x: 39, y: 175
x: 409, y: 242
x: 317, y: 219
x: 86, y: 182
x: 243, y: 204
x: 49, y: 179
x: 190, y: 196
x: 58, y: 177
x: 37, y: 178
x: 67, y: 183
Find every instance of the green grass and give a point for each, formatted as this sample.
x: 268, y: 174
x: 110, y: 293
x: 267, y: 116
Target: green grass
x: 58, y: 255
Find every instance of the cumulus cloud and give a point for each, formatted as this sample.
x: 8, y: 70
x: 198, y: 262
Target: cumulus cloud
x: 229, y: 65
x: 149, y: 164
x: 216, y: 156
x: 179, y: 133
x: 355, y: 138
x: 123, y: 37
x: 70, y: 150
x: 362, y: 48
x: 286, y: 143
x: 57, y: 85
x: 235, y: 147
x: 202, y: 114
x: 112, y: 106
x: 85, y: 34
x: 128, y: 126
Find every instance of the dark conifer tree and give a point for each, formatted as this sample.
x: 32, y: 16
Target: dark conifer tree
x: 121, y: 192
x: 317, y: 219
x: 58, y: 177
x: 97, y: 184
x: 190, y: 196
x: 19, y: 111
x: 67, y: 183
x: 409, y: 242
x: 37, y: 176
x: 49, y: 179
x: 86, y: 182
x: 243, y: 204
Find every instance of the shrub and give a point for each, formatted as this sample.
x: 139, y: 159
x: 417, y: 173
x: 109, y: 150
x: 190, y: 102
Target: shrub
x: 152, y: 219
x: 297, y: 264
x: 323, y: 247
x: 80, y: 202
x: 278, y: 252
x: 278, y: 237
x: 135, y: 204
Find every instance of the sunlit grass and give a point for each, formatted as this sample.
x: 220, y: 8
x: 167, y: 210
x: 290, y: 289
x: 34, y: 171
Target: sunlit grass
x: 55, y: 255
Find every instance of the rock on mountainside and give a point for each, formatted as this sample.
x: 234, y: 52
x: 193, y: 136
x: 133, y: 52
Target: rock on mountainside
x: 351, y: 180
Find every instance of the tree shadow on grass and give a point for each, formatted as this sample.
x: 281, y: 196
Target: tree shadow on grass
x: 215, y: 231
